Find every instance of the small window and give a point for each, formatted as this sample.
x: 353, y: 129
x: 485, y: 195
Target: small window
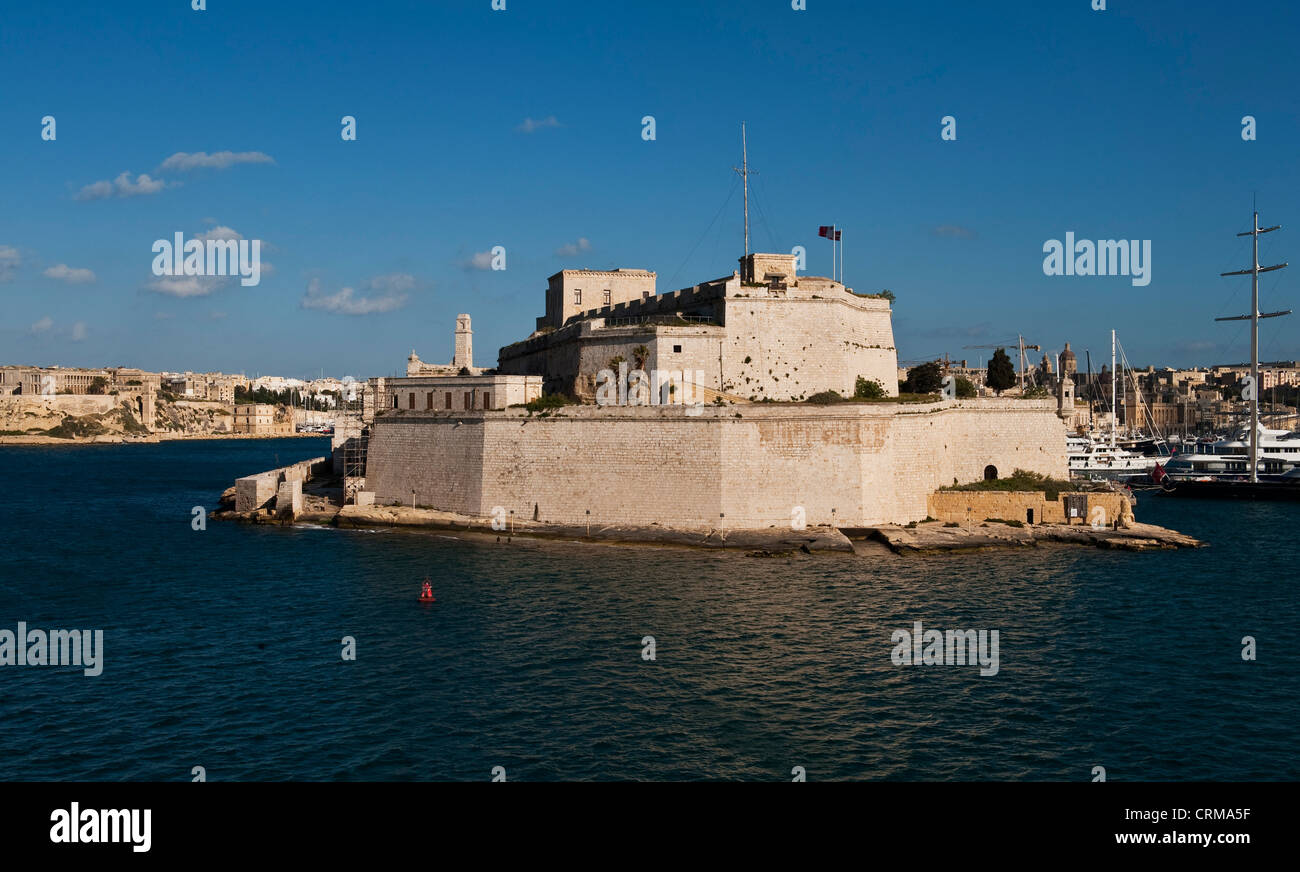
x: 394, y: 401
x: 645, y: 295
x: 677, y: 349
x: 990, y: 473
x: 469, y: 404
x: 606, y: 296
x: 410, y: 403
x: 428, y: 400
x: 577, y: 296
x: 487, y: 400
x: 448, y: 399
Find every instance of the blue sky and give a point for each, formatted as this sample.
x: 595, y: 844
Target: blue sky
x: 1117, y: 124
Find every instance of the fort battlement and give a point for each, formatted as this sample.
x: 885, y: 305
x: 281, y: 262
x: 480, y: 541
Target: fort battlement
x: 744, y: 466
x: 785, y: 339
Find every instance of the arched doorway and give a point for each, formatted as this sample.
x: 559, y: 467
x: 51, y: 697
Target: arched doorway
x: 990, y: 472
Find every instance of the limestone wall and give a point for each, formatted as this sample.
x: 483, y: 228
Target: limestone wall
x: 850, y: 464
x: 254, y: 492
x: 793, y: 348
x: 974, y: 506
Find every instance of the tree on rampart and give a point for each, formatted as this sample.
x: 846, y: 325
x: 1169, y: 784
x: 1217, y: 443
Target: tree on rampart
x: 926, y: 378
x: 1001, y: 373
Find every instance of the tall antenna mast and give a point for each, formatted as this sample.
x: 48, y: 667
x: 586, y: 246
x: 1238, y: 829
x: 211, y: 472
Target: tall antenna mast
x: 744, y: 171
x: 1254, y: 317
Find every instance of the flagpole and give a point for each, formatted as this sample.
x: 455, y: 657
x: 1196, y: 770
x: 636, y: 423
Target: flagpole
x: 832, y: 252
x: 841, y: 258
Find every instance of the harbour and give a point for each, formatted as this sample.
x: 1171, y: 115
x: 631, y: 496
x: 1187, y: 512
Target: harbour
x: 529, y: 659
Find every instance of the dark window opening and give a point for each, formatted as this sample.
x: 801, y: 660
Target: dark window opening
x: 990, y: 472
x: 677, y: 349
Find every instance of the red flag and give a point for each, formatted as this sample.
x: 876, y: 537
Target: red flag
x: 824, y: 230
x: 1158, y: 473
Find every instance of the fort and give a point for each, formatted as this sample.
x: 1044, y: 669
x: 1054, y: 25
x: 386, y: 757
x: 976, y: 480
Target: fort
x: 755, y: 454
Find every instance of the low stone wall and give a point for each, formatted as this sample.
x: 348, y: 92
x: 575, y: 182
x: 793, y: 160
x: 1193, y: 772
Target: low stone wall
x: 253, y: 492
x: 1030, y: 507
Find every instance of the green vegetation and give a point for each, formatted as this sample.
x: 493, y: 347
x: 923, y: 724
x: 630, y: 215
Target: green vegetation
x: 1037, y: 392
x: 865, y: 389
x: 72, y: 428
x: 546, y: 402
x: 824, y: 398
x: 1020, y: 480
x: 97, y: 385
x: 1001, y: 373
x: 924, y: 379
x: 1005, y: 521
x: 965, y: 388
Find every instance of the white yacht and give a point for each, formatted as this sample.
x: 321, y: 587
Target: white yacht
x: 1099, y: 460
x: 1279, y: 453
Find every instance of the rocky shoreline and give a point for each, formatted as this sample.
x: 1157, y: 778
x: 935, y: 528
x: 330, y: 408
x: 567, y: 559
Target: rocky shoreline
x: 320, y: 507
x: 151, y: 439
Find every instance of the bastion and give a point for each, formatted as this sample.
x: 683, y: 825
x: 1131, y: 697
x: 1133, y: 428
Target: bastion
x: 747, y: 466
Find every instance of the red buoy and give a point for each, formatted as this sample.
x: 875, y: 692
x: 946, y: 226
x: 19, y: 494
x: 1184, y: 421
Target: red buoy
x: 426, y: 595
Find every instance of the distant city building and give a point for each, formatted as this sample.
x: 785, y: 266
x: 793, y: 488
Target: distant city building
x: 259, y: 419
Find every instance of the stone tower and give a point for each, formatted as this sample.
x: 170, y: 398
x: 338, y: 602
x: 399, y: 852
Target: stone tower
x: 1065, y: 397
x: 1069, y: 365
x: 464, y: 343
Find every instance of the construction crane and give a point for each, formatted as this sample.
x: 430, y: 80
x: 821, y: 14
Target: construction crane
x: 1020, y: 343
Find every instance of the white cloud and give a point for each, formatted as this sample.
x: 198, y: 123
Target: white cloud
x: 529, y: 125
x: 122, y: 186
x: 10, y: 260
x: 71, y: 275
x: 43, y: 325
x: 954, y: 231
x: 379, y: 294
x: 572, y: 248
x: 184, y: 161
x: 201, y: 286
x: 220, y: 232
x: 187, y: 286
x: 480, y: 260
x: 79, y: 331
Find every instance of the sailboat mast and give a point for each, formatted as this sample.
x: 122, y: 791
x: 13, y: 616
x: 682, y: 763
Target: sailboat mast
x: 1254, y: 352
x: 1254, y: 316
x: 1114, y: 401
x: 744, y: 175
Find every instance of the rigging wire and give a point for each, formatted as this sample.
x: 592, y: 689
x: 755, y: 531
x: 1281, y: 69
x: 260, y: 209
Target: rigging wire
x: 731, y: 193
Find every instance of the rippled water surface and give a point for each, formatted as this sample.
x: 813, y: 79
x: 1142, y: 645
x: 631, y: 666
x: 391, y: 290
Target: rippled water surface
x: 222, y: 647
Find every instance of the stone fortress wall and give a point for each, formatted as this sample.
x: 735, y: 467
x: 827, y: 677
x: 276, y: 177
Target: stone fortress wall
x: 761, y: 333
x: 731, y: 466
